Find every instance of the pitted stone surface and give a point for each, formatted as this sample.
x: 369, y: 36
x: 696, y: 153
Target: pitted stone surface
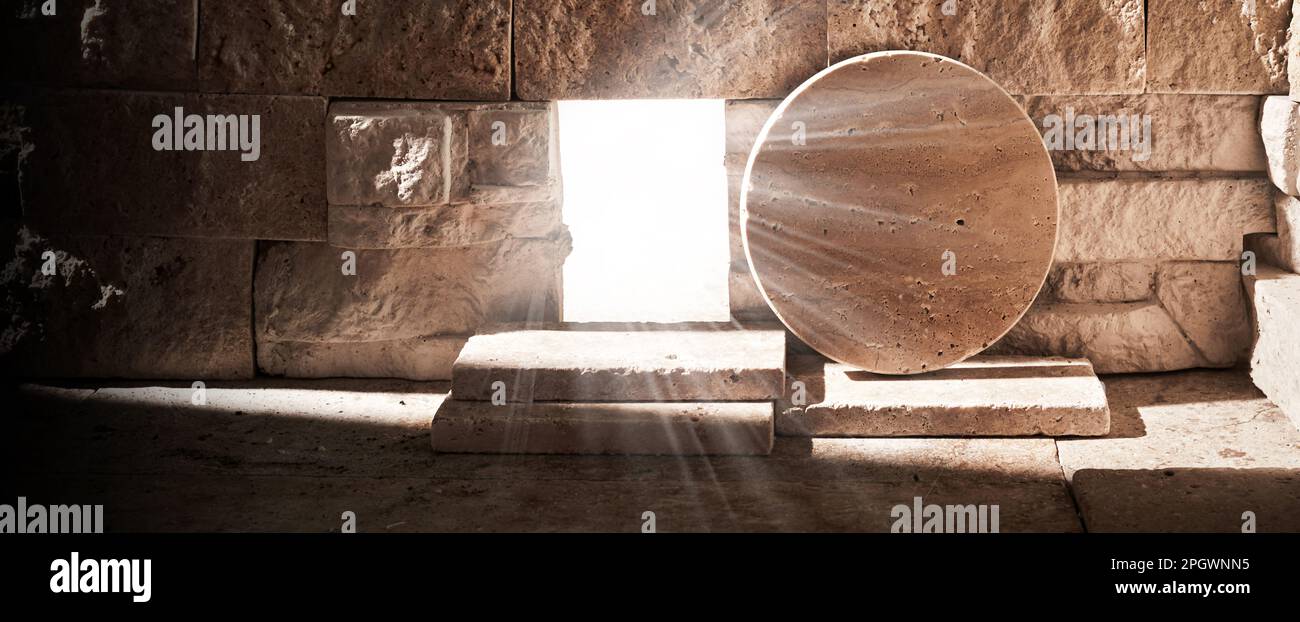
x: 914, y: 167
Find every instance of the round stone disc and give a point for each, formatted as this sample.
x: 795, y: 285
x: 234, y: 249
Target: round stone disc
x: 899, y: 212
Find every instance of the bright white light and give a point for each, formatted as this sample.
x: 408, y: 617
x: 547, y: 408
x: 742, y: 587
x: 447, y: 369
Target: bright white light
x: 645, y: 197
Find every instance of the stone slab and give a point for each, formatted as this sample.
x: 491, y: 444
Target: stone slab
x: 441, y: 49
x: 1151, y: 132
x: 1139, y: 219
x: 119, y: 307
x: 574, y: 49
x: 101, y: 43
x: 302, y: 293
x: 982, y: 396
x: 1217, y: 46
x: 91, y: 168
x: 866, y: 243
x: 1068, y: 46
x: 1275, y: 305
x: 441, y: 226
x: 1125, y: 281
x: 574, y: 364
x: 664, y: 428
x: 409, y: 358
x: 1279, y: 126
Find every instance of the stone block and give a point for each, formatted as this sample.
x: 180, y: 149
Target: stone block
x: 1275, y: 305
x: 578, y: 364
x: 511, y: 146
x: 1217, y: 46
x: 303, y: 294
x: 126, y: 307
x: 101, y: 43
x: 677, y: 429
x: 93, y: 166
x: 440, y: 226
x: 410, y: 358
x: 1128, y: 281
x: 1168, y: 219
x: 982, y: 396
x: 573, y: 49
x: 1029, y: 47
x: 745, y: 299
x: 1205, y: 300
x: 386, y: 155
x: 1158, y: 132
x: 439, y: 49
x: 1278, y: 121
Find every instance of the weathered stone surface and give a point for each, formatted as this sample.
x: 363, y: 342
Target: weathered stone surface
x: 127, y: 308
x: 512, y: 146
x: 441, y: 49
x: 387, y: 155
x: 1275, y: 304
x: 1138, y: 219
x: 91, y: 168
x: 440, y: 226
x: 1117, y: 338
x: 1157, y: 132
x: 867, y: 243
x: 647, y: 428
x: 1205, y: 300
x: 1279, y: 119
x: 1217, y: 46
x: 1029, y: 47
x: 743, y: 119
x: 109, y: 43
x: 576, y: 363
x: 410, y: 358
x: 1129, y: 281
x: 982, y: 396
x: 573, y: 49
x: 745, y: 299
x: 1283, y: 248
x: 302, y: 294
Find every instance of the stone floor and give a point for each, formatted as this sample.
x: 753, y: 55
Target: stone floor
x: 1189, y: 451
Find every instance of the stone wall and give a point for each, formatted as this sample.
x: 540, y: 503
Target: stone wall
x: 420, y: 138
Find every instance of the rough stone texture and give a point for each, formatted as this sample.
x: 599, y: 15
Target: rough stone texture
x: 1278, y: 121
x: 1283, y: 248
x: 1027, y: 46
x: 1217, y: 46
x: 674, y: 429
x: 578, y: 363
x: 1187, y: 132
x: 1189, y: 452
x: 574, y: 49
x: 849, y: 233
x: 90, y: 168
x: 439, y: 49
x: 744, y: 119
x: 511, y: 147
x: 746, y: 301
x: 399, y: 297
x: 1197, y: 319
x: 1275, y: 305
x: 982, y: 396
x: 1140, y: 219
x: 127, y: 308
x: 410, y: 358
x: 1129, y: 281
x: 440, y: 226
x: 384, y: 155
x: 108, y: 43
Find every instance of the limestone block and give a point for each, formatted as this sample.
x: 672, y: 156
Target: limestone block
x: 1205, y: 300
x: 1171, y: 219
x: 982, y: 396
x: 745, y: 299
x: 1027, y: 46
x: 511, y: 146
x: 1278, y: 120
x: 303, y: 295
x: 677, y: 429
x: 125, y: 307
x: 1129, y: 281
x: 578, y: 364
x: 91, y: 167
x: 866, y: 242
x: 438, y: 49
x: 574, y: 49
x: 440, y: 226
x: 1275, y: 302
x: 410, y: 358
x: 108, y: 43
x: 1283, y: 248
x: 1293, y: 55
x: 388, y: 155
x: 743, y: 119
x: 1217, y: 46
x: 1158, y: 132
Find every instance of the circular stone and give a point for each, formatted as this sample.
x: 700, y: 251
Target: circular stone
x: 899, y: 212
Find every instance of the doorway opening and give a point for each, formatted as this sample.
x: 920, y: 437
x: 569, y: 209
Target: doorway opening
x: 645, y: 198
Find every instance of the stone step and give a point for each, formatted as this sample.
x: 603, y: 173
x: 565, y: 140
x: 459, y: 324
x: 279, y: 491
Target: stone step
x: 983, y: 396
x: 1275, y: 304
x: 612, y: 363
x: 664, y: 428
